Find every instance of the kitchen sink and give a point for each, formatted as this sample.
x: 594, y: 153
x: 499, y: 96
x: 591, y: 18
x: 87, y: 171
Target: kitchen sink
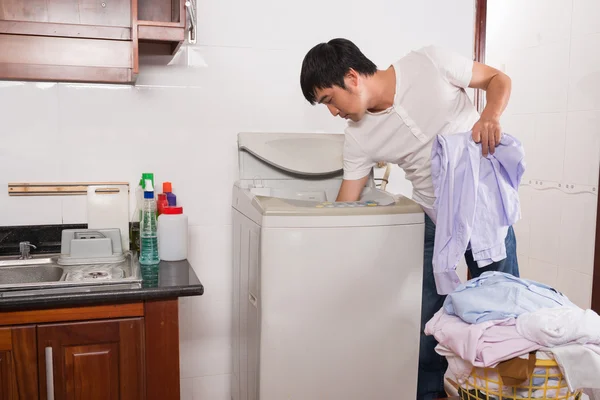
x: 21, y: 276
x: 30, y: 274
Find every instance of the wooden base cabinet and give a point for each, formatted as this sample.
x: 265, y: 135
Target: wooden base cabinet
x: 91, y: 353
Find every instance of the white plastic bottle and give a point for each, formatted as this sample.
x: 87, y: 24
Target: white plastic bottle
x: 173, y: 234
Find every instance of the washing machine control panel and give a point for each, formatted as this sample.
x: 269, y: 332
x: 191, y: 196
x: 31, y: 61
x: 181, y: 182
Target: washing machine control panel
x: 346, y: 204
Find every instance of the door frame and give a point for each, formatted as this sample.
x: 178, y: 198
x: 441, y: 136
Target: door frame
x: 596, y: 274
x: 479, y: 55
x: 479, y: 44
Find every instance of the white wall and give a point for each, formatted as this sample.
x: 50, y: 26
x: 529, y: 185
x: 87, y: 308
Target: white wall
x: 181, y: 121
x: 551, y: 50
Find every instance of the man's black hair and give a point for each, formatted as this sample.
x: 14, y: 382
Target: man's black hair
x: 326, y: 64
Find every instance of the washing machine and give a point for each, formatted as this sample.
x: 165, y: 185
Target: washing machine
x: 326, y: 295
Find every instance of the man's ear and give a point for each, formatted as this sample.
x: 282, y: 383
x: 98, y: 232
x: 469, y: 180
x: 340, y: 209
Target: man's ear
x: 351, y: 77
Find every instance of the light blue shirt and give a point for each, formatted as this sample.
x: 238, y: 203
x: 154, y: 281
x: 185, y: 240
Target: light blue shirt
x: 476, y: 202
x: 498, y: 295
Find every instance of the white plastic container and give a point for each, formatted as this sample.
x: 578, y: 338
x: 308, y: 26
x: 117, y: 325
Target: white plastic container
x: 173, y: 234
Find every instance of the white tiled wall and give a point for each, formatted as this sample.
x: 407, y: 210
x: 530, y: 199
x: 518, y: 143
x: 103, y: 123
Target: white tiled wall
x: 181, y: 121
x: 550, y: 50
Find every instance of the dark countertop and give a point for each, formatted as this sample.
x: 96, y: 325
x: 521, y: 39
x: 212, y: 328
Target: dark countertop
x: 174, y: 279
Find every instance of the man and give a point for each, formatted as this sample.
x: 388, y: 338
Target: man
x: 393, y: 116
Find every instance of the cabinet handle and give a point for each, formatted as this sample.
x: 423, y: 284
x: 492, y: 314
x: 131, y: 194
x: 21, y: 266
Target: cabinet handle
x: 252, y: 299
x: 49, y: 374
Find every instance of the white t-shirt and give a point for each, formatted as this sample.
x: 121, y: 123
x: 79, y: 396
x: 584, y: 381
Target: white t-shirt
x: 430, y: 99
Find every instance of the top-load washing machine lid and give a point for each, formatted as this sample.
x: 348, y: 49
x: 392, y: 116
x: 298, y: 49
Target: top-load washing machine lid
x: 304, y: 154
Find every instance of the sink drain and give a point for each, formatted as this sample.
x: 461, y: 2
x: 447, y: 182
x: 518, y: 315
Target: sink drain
x: 95, y: 275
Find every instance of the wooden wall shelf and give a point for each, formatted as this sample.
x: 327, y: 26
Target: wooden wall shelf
x: 55, y: 189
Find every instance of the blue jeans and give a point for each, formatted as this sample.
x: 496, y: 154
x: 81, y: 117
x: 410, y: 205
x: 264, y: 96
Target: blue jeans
x: 432, y: 366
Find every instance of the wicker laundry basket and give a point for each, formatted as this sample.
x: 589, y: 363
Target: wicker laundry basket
x: 547, y: 382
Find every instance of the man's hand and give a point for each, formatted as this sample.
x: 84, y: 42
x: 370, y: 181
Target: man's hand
x: 487, y: 131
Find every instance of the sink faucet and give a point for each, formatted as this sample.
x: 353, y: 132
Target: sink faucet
x: 24, y: 248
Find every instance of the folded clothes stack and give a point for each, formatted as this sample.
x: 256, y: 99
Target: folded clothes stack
x: 498, y: 320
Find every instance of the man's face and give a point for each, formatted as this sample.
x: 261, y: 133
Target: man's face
x: 346, y: 103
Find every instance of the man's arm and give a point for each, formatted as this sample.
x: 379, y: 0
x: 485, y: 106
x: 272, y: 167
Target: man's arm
x: 497, y: 87
x: 351, y: 189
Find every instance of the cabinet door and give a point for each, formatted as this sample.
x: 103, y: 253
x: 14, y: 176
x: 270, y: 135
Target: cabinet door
x: 101, y: 360
x: 18, y: 363
x: 77, y: 12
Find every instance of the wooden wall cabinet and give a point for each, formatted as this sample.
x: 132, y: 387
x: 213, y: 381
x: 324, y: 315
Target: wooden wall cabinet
x: 128, y: 351
x: 161, y: 25
x: 86, y: 40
